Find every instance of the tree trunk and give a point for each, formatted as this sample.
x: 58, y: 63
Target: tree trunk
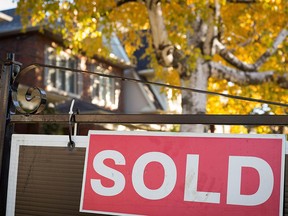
x: 206, y: 37
x: 192, y: 102
x: 169, y: 56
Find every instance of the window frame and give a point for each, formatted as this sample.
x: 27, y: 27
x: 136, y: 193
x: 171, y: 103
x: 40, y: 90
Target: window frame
x: 61, y: 81
x: 105, y: 91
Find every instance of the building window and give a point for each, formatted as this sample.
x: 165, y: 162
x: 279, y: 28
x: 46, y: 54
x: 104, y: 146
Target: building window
x: 61, y: 80
x: 105, y: 90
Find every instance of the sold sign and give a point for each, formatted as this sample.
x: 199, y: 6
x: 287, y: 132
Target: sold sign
x: 183, y: 174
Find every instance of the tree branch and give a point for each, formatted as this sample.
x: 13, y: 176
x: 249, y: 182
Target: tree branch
x: 282, y: 81
x: 233, y: 60
x: 240, y: 77
x: 166, y: 53
x: 279, y: 39
x: 121, y: 2
x: 163, y: 46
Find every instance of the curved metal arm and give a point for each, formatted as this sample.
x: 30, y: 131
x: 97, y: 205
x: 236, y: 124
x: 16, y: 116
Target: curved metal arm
x: 43, y: 97
x: 28, y: 96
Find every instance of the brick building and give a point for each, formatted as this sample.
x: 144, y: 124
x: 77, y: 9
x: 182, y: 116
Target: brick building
x: 91, y: 93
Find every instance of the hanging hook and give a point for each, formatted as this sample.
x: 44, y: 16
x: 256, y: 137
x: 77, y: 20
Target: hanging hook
x: 71, y: 143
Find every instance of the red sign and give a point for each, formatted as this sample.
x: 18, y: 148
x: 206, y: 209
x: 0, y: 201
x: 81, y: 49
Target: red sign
x: 183, y: 174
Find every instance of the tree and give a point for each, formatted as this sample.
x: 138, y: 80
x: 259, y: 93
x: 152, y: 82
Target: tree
x: 216, y: 44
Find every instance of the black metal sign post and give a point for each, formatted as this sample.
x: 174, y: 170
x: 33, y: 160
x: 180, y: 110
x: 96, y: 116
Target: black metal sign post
x: 9, y: 68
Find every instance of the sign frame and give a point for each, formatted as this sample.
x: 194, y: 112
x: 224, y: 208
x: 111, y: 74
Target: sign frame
x: 140, y: 133
x: 32, y: 140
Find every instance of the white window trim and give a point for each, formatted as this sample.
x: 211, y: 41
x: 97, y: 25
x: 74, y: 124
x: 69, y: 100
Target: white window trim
x: 62, y: 56
x: 106, y: 101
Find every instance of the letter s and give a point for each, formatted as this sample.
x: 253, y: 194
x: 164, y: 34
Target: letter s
x: 108, y: 172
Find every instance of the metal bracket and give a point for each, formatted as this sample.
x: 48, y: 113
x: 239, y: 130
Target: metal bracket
x: 42, y: 96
